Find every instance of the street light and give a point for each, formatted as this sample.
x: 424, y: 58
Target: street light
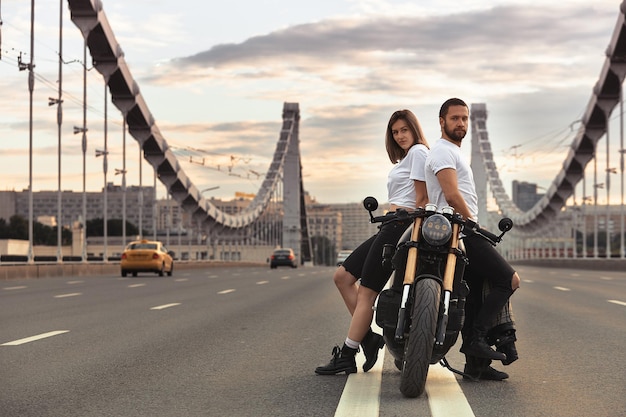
x: 31, y: 87
x: 123, y: 173
x: 51, y: 102
x: 83, y: 130
x: 103, y: 154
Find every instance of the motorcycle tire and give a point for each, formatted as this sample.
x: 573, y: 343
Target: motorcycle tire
x: 419, y: 346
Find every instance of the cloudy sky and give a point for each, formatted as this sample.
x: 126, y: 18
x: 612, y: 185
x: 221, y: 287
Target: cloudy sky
x: 215, y: 77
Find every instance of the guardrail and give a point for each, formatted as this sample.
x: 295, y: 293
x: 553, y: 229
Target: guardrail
x: 73, y: 269
x: 597, y: 264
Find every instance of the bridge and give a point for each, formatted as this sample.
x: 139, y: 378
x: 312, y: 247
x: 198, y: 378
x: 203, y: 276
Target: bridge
x: 551, y: 228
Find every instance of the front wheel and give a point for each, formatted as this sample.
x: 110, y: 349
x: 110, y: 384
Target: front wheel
x: 419, y: 346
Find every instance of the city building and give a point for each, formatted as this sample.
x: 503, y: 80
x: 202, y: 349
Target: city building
x: 525, y: 195
x: 345, y: 225
x: 45, y: 205
x: 355, y: 223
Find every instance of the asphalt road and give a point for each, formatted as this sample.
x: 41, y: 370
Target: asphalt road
x: 243, y: 341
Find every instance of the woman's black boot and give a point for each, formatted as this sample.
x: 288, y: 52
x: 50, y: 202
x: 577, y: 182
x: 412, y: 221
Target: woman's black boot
x: 371, y: 343
x: 342, y: 361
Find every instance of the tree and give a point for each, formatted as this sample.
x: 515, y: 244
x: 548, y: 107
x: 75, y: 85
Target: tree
x: 17, y: 228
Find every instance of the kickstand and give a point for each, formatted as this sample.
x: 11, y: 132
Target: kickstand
x: 444, y: 362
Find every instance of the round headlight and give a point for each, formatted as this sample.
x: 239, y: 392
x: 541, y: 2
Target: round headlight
x: 436, y: 229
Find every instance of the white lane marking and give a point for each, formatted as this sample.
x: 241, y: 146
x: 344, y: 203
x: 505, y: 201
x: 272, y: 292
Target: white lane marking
x: 136, y: 285
x: 361, y: 394
x: 530, y: 281
x: 213, y: 276
x: 75, y: 282
x: 227, y: 291
x: 561, y: 288
x: 621, y: 303
x: 74, y: 294
x: 445, y: 396
x: 262, y: 282
x: 575, y: 275
x: 34, y: 338
x: 20, y: 287
x: 285, y: 277
x: 165, y: 306
x: 607, y: 278
x: 181, y: 279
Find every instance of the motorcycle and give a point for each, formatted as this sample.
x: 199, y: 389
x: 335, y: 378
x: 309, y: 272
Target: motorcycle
x: 423, y: 311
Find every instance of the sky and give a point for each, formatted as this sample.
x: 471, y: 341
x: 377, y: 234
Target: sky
x: 215, y: 77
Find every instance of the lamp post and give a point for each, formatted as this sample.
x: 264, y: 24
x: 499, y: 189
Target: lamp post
x: 83, y: 130
x: 58, y: 101
x: 154, y: 207
x: 622, y: 249
x: 105, y: 166
x: 140, y: 195
x: 105, y: 217
x: 595, y: 216
x: 122, y: 172
x: 52, y: 102
x: 609, y: 171
x: 31, y: 87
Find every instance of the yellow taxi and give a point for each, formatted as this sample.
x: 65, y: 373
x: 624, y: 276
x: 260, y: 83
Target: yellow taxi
x: 146, y: 256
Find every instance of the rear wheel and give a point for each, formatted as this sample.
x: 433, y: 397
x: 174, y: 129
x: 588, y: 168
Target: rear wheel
x: 162, y: 270
x: 171, y: 271
x: 123, y: 273
x: 419, y: 346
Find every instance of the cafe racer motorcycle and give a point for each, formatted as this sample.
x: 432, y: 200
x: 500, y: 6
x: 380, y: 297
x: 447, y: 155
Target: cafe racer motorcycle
x: 422, y: 312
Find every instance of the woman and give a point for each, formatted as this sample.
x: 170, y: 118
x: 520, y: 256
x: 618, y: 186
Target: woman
x: 407, y: 149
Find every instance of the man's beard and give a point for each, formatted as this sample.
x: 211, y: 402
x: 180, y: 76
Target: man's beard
x: 457, y: 135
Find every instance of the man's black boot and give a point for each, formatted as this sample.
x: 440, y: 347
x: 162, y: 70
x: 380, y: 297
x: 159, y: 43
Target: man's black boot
x: 342, y: 361
x: 370, y: 344
x: 478, y: 368
x: 505, y: 343
x: 479, y: 347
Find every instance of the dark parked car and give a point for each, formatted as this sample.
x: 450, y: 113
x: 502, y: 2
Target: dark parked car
x: 283, y: 257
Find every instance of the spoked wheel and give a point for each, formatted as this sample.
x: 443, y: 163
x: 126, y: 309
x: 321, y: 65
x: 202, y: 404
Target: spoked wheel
x: 419, y: 346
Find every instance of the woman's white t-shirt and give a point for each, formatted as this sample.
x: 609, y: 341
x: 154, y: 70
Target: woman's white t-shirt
x: 400, y: 186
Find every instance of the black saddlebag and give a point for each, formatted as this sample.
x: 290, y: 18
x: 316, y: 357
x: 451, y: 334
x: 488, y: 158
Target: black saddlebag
x: 387, y: 309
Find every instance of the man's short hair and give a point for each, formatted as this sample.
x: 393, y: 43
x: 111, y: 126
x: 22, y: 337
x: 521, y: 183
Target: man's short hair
x: 450, y: 102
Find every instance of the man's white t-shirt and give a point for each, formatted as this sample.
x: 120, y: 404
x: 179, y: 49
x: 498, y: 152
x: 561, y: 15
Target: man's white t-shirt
x: 445, y: 154
x: 400, y: 185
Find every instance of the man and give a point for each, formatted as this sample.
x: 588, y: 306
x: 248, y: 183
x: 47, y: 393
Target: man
x: 450, y: 182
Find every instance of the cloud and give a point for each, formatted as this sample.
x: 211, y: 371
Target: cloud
x: 502, y: 35
x: 534, y: 66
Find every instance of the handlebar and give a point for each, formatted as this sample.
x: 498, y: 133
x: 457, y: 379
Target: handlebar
x: 469, y: 226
